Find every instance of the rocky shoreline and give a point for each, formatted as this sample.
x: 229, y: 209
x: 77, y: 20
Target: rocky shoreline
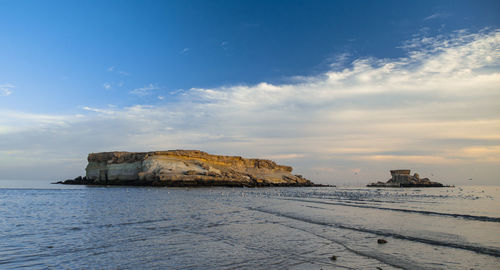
x: 402, y: 179
x: 185, y: 168
x: 195, y: 183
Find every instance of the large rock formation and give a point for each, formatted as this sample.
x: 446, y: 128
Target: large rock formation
x: 184, y: 168
x: 402, y: 178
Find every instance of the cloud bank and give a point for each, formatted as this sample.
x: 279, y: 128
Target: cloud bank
x: 437, y: 111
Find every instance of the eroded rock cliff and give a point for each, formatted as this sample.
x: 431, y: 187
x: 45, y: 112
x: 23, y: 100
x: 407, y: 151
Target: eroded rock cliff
x: 184, y: 168
x: 402, y: 178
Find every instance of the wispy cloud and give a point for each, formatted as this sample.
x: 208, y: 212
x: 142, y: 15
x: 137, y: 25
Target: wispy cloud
x: 435, y: 110
x: 436, y: 16
x: 124, y: 73
x: 117, y: 71
x: 98, y: 110
x: 146, y: 90
x: 120, y: 83
x: 6, y: 89
x: 185, y: 50
x: 284, y: 156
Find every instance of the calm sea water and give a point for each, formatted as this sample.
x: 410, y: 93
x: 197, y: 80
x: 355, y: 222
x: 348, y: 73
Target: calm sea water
x: 77, y: 227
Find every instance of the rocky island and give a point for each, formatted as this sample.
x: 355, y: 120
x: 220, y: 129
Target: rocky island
x: 182, y: 168
x: 402, y: 178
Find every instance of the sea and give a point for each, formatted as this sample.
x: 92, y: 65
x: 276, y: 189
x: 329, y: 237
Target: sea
x: 45, y: 226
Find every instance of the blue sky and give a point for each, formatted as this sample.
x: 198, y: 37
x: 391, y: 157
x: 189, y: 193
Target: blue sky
x: 289, y: 80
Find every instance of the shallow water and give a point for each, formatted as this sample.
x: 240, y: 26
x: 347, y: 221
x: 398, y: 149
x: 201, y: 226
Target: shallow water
x: 74, y: 227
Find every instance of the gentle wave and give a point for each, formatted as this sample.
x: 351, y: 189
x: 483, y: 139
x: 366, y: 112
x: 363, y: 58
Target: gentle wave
x: 478, y: 249
x: 463, y: 216
x: 383, y: 258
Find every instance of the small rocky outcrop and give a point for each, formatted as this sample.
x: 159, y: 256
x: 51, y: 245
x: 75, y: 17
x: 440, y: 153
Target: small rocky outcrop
x: 181, y: 168
x: 381, y: 241
x: 403, y: 178
x: 77, y: 181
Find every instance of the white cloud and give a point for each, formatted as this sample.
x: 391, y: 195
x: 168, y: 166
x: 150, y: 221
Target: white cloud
x: 284, y: 156
x: 106, y: 86
x: 146, y: 90
x: 436, y: 110
x: 185, y: 50
x: 120, y: 72
x: 97, y: 110
x: 124, y: 73
x: 436, y: 16
x: 224, y: 45
x: 6, y: 89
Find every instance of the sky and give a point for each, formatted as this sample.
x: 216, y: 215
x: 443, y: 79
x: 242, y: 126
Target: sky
x: 343, y: 91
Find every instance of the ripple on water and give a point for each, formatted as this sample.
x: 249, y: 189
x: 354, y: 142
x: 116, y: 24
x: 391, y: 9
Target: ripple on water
x: 227, y: 228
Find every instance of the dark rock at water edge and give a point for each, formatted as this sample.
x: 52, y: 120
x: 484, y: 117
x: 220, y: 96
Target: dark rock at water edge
x: 184, y: 183
x: 402, y: 178
x: 381, y: 241
x: 77, y: 181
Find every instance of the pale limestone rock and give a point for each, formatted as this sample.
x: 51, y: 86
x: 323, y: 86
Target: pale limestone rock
x: 186, y: 168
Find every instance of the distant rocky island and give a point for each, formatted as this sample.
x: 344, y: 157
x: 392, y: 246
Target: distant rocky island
x: 183, y: 168
x: 402, y: 178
